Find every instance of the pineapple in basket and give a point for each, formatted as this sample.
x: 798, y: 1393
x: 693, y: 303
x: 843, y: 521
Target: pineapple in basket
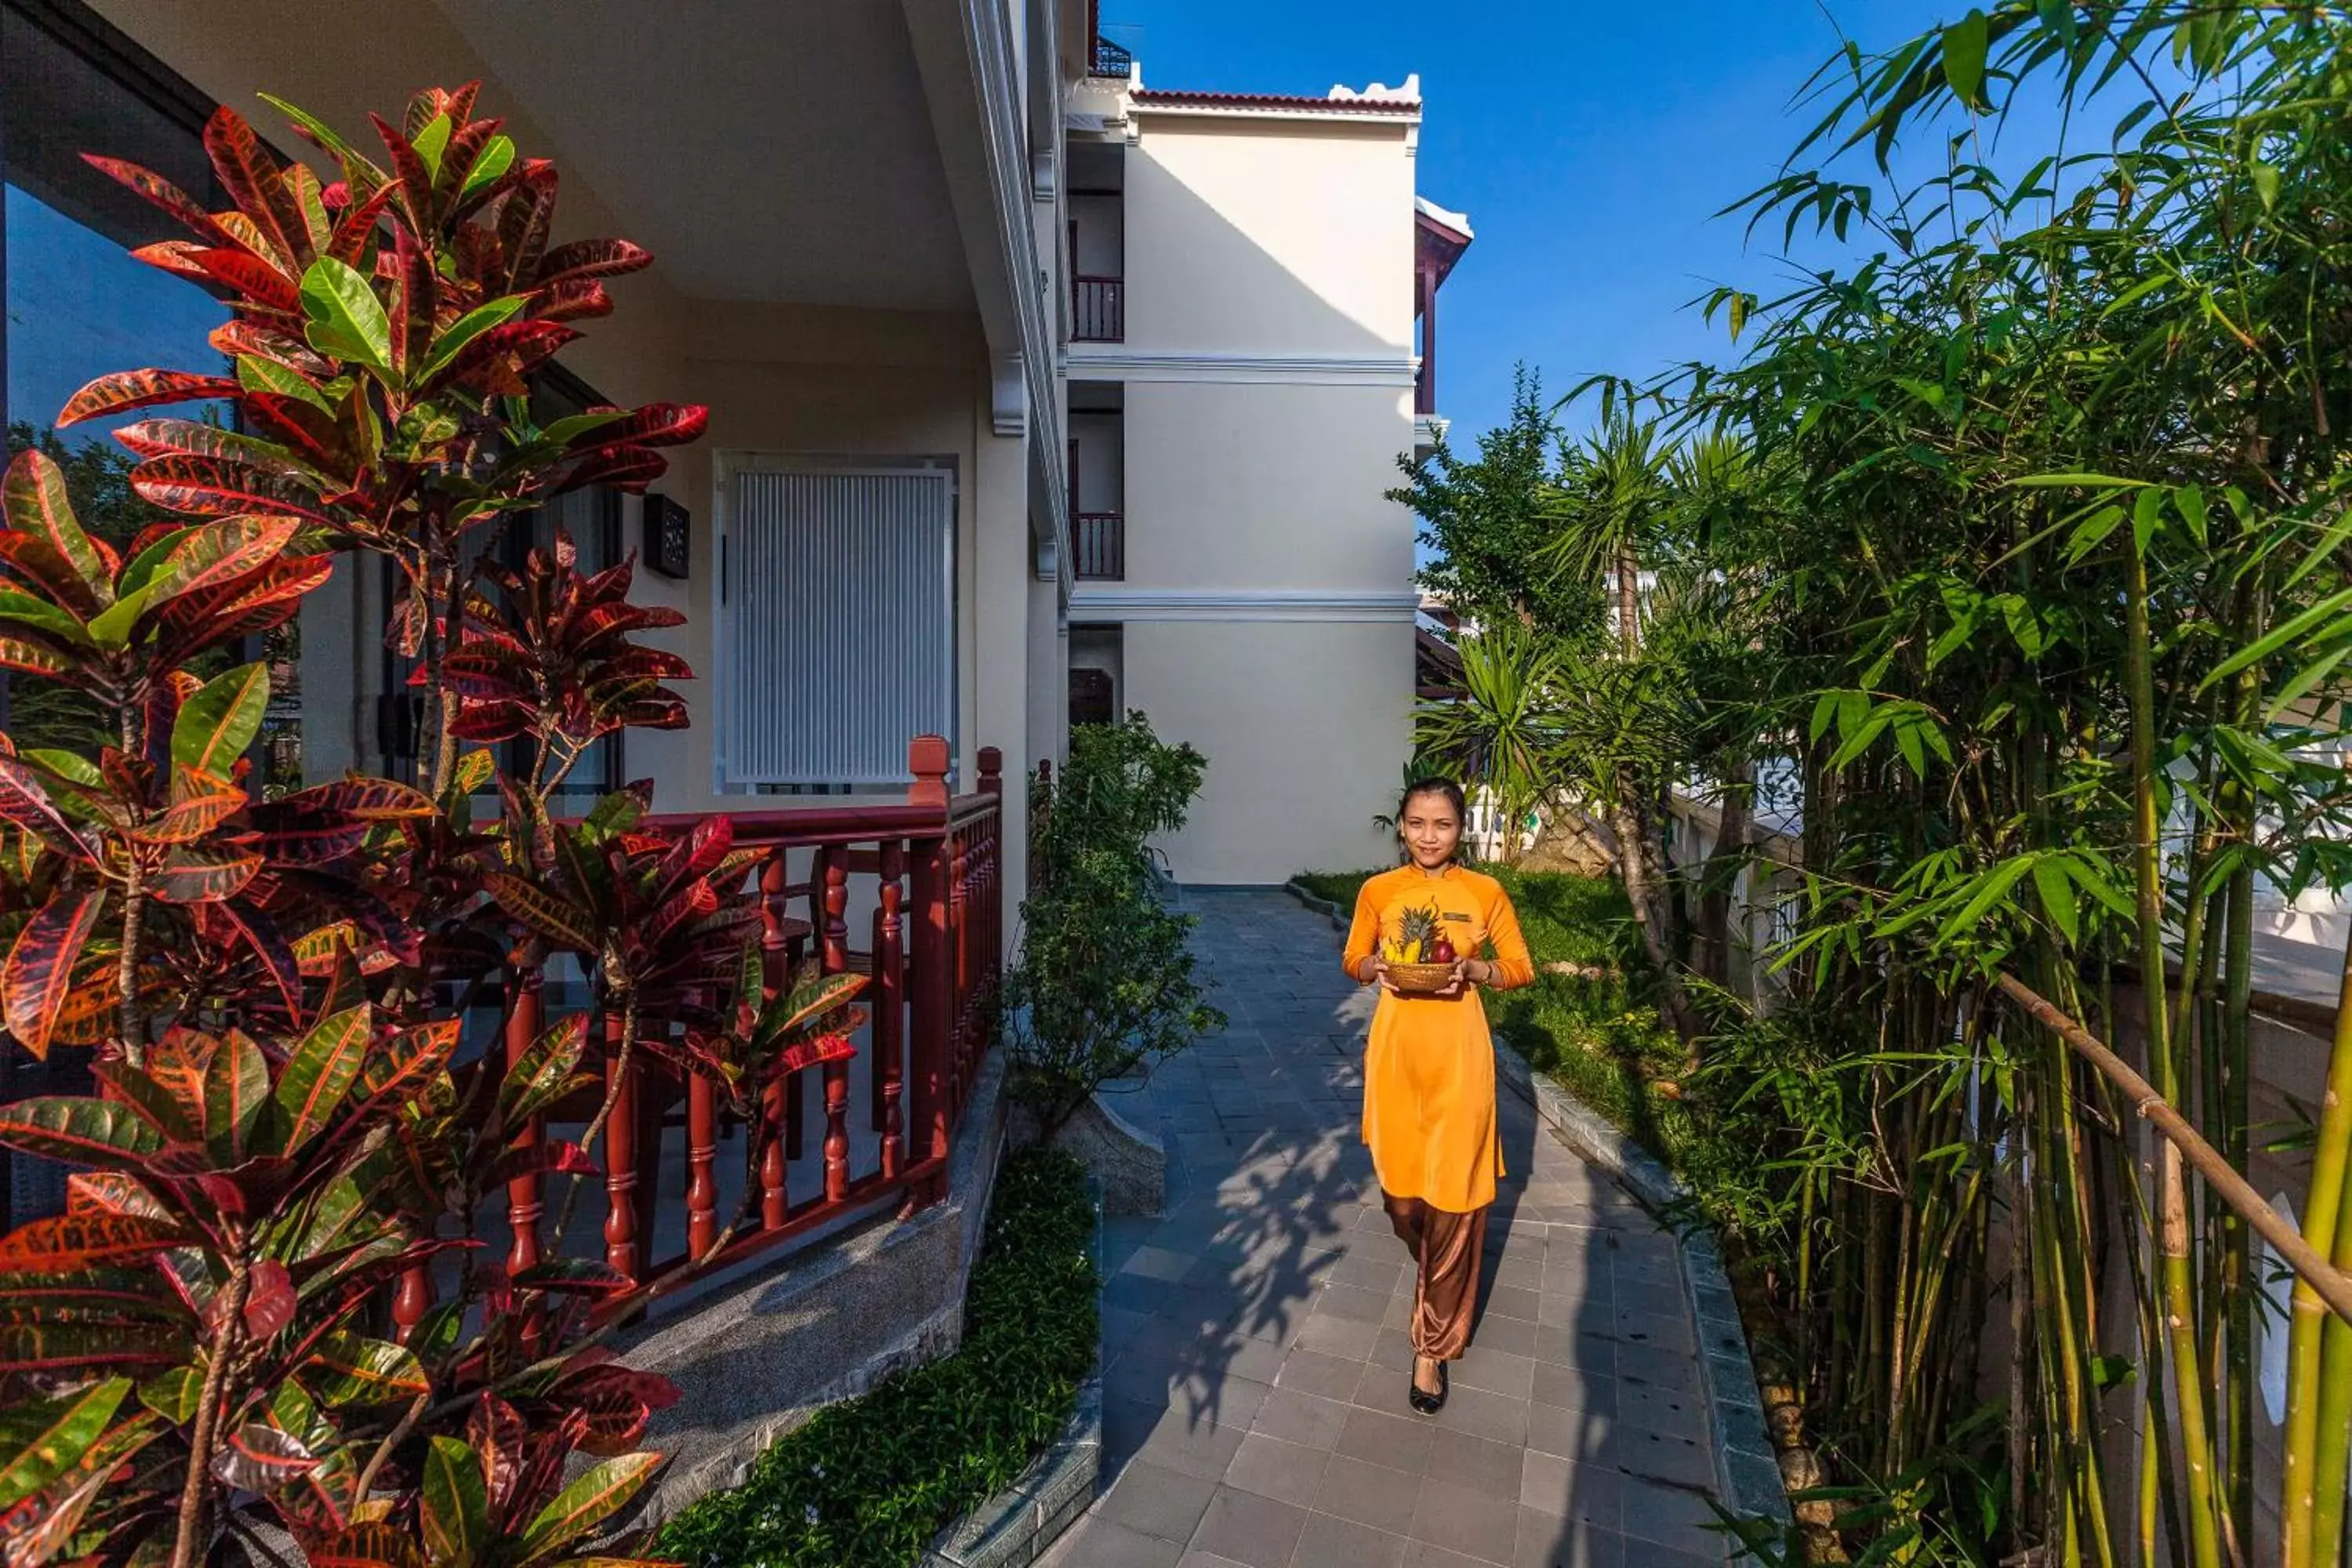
x: 1416, y: 933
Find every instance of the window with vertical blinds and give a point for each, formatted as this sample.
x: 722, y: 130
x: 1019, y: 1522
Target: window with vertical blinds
x: 839, y: 631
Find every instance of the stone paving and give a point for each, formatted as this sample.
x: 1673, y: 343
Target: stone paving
x: 1255, y: 1362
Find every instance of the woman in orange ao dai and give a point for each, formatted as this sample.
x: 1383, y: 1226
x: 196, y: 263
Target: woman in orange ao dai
x: 1429, y: 1071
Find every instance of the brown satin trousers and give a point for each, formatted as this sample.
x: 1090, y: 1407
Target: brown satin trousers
x: 1446, y: 1251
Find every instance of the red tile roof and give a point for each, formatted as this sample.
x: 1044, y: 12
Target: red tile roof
x: 1177, y: 98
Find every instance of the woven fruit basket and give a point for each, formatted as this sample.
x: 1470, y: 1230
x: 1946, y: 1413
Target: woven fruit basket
x: 1420, y: 978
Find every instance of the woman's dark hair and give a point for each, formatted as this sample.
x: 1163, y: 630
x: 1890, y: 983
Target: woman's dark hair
x: 1446, y: 787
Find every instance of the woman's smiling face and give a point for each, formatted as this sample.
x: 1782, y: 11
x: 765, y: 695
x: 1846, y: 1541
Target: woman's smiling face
x: 1431, y: 827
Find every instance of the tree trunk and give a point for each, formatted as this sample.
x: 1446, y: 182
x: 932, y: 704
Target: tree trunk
x: 1629, y: 601
x: 1637, y: 863
x: 1715, y: 909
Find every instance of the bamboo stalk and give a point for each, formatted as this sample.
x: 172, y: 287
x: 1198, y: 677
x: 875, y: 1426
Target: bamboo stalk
x: 2331, y: 1159
x: 2178, y: 1280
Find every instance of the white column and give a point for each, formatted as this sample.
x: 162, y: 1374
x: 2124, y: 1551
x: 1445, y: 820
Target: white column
x: 1001, y: 645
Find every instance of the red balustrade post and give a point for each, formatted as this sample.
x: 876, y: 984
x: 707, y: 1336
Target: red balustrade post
x: 412, y: 1300
x: 774, y: 1204
x: 889, y: 1011
x: 701, y: 1153
x: 526, y: 1002
x: 991, y: 783
x: 960, y: 958
x: 830, y: 890
x: 620, y: 1156
x: 931, y: 1002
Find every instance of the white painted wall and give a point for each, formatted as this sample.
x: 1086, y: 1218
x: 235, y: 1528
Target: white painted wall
x: 1266, y: 376
x: 1267, y: 486
x: 1304, y: 725
x: 1269, y: 235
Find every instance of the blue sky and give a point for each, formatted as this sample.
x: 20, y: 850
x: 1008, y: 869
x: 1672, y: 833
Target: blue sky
x: 1588, y: 142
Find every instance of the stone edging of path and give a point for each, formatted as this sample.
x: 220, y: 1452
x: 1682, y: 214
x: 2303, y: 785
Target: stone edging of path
x: 1745, y: 1467
x: 1015, y: 1527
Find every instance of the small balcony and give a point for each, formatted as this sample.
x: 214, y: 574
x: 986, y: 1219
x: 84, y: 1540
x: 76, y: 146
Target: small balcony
x: 1097, y: 309
x: 1111, y: 60
x: 1098, y: 540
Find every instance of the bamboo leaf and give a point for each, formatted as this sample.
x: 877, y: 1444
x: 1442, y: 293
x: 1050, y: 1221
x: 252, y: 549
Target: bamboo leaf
x: 2057, y: 894
x: 2291, y: 630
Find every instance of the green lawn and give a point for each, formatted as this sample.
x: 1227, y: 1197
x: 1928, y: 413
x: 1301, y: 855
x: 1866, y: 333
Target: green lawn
x: 1598, y: 1034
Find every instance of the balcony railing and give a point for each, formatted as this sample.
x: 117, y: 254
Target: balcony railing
x: 925, y: 874
x: 1099, y: 541
x: 1097, y: 309
x: 1111, y: 60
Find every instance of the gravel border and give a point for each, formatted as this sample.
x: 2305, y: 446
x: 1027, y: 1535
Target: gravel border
x: 1746, y: 1469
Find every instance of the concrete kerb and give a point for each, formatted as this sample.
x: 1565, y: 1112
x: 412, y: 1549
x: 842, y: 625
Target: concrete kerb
x: 1746, y: 1469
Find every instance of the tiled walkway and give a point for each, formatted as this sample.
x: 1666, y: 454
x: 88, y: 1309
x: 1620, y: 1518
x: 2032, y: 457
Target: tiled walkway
x: 1255, y: 1392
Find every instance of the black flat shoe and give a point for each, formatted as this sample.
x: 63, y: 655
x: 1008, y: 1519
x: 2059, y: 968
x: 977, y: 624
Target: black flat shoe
x: 1427, y: 1404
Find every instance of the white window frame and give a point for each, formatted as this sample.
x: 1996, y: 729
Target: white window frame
x: 727, y: 465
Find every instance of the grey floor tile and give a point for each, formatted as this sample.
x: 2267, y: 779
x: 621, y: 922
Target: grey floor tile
x: 1332, y: 1542
x: 1669, y: 1412
x: 1315, y: 1371
x: 1574, y: 1385
x: 1545, y: 1541
x: 1422, y: 1554
x: 1337, y: 1336
x: 1398, y: 1442
x: 1495, y: 1370
x: 1575, y: 1435
x: 1670, y: 1516
x: 1463, y: 1521
x: 1202, y: 1449
x: 1286, y: 1472
x: 1158, y: 1263
x: 1249, y: 1528
x: 1566, y: 1489
x: 1482, y: 1464
x: 1099, y: 1542
x: 1508, y: 1301
x: 1484, y: 1415
x: 1368, y: 1493
x: 1675, y: 1460
x: 1353, y: 1303
x: 1154, y: 1500
x: 1303, y: 1418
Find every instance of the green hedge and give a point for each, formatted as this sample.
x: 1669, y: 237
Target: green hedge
x: 870, y: 1482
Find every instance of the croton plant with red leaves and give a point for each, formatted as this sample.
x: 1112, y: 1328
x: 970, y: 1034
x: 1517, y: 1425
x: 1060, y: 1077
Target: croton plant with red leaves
x: 288, y: 1115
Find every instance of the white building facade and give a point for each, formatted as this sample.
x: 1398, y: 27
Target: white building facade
x: 1012, y: 367
x: 1248, y: 274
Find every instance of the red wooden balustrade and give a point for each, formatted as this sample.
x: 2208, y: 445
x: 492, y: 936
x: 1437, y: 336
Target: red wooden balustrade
x: 929, y: 870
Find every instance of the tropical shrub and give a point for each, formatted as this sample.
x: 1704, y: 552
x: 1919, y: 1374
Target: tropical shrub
x: 1104, y: 981
x: 271, y: 993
